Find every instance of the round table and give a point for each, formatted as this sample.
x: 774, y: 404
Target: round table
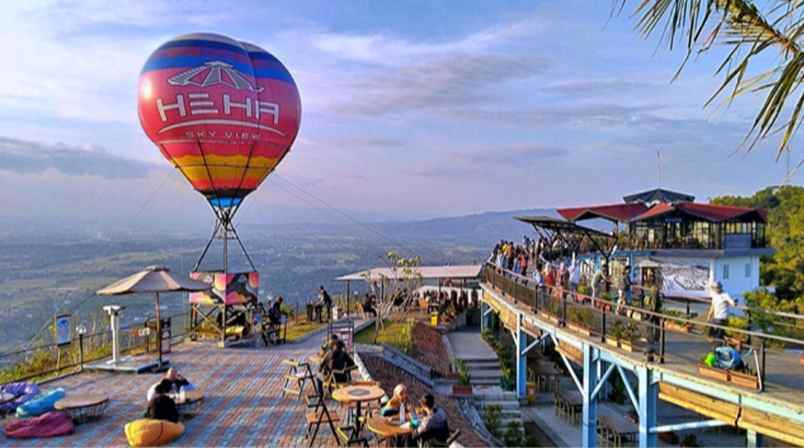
x: 388, y: 427
x: 83, y: 407
x: 357, y: 394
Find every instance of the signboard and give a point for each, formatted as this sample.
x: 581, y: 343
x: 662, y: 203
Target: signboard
x: 228, y: 289
x: 63, y: 329
x: 681, y: 280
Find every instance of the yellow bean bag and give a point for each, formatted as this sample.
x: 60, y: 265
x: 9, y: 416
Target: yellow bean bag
x: 151, y: 432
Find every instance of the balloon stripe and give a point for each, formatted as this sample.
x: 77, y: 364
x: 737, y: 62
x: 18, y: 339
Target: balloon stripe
x: 233, y: 161
x: 162, y: 63
x: 220, y: 150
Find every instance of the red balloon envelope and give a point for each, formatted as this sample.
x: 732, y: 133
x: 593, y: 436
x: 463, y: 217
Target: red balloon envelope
x: 223, y: 112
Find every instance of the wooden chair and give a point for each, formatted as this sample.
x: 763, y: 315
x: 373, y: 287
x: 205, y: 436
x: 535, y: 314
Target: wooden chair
x: 298, y: 372
x: 321, y: 415
x: 436, y: 444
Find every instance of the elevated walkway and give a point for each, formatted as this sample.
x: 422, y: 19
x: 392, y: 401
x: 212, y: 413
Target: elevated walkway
x: 670, y: 373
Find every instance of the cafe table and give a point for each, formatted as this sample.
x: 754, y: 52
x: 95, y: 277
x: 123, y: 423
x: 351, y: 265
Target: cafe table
x: 388, y: 428
x: 358, y: 394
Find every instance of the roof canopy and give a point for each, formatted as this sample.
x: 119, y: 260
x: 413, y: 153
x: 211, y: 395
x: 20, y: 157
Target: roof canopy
x: 706, y: 212
x: 658, y: 195
x: 423, y: 272
x: 613, y: 212
x: 559, y: 225
x: 153, y: 279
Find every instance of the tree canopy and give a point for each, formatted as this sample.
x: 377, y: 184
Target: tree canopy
x: 785, y: 268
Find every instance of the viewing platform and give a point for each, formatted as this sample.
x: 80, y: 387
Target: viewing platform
x: 659, y: 359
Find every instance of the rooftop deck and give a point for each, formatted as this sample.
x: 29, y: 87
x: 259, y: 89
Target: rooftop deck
x: 243, y: 403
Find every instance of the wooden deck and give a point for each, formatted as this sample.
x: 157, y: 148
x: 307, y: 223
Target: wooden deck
x: 784, y: 382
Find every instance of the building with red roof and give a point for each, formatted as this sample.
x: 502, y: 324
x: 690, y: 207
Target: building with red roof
x: 666, y: 231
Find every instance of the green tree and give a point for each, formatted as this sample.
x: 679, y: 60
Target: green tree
x: 766, y: 56
x: 785, y: 234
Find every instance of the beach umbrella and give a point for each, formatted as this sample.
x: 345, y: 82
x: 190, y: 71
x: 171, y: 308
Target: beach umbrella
x: 153, y: 280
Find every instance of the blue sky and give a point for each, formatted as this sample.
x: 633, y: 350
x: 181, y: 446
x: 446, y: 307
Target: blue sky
x: 410, y: 109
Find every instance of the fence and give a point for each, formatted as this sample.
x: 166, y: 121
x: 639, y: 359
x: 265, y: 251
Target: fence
x: 51, y: 360
x: 639, y: 327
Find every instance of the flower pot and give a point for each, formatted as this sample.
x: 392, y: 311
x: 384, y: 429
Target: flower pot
x: 628, y: 346
x: 579, y: 328
x: 677, y: 326
x: 744, y: 380
x: 713, y: 373
x: 461, y: 390
x: 612, y: 341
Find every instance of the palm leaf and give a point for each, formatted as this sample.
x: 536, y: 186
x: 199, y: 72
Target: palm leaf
x: 749, y: 32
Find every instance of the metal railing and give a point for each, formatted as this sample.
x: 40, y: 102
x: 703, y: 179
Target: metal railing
x: 47, y: 361
x: 636, y: 327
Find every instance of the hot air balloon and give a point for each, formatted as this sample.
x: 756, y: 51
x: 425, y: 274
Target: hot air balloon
x: 224, y: 113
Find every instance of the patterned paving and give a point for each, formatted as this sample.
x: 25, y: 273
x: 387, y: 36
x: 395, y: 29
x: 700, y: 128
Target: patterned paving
x: 243, y: 404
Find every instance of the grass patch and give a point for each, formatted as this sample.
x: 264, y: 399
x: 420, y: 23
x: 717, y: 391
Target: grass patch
x: 397, y: 334
x: 301, y: 328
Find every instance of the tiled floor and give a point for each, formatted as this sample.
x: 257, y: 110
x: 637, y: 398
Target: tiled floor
x: 243, y: 404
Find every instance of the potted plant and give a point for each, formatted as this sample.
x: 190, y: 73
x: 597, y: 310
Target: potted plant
x: 580, y: 320
x: 712, y: 372
x: 744, y: 379
x: 464, y: 386
x: 677, y: 325
x: 623, y: 336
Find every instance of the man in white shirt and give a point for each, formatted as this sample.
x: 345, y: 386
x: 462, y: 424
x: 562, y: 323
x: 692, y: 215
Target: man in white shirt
x: 721, y: 308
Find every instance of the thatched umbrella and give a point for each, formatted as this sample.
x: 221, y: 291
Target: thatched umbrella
x: 153, y: 280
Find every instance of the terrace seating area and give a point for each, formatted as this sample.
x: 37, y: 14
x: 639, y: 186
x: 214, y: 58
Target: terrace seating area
x: 243, y: 403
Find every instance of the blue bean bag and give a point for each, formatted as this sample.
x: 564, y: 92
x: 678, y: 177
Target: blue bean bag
x: 22, y: 392
x: 40, y: 404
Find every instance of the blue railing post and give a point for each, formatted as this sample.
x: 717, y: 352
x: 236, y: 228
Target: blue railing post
x: 753, y: 439
x: 589, y: 418
x: 521, y: 359
x: 648, y: 397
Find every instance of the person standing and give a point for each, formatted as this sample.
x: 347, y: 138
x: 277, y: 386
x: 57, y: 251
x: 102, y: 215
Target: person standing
x: 624, y: 288
x: 720, y: 309
x: 325, y: 300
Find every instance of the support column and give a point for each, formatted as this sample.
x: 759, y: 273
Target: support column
x: 484, y: 319
x: 648, y: 397
x: 521, y: 360
x: 589, y: 418
x: 754, y: 440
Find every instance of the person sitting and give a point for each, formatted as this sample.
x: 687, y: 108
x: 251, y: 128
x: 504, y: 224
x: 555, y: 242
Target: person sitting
x: 434, y: 424
x: 161, y: 406
x: 334, y: 365
x: 368, y: 305
x: 172, y: 383
x: 393, y: 406
x: 327, y: 345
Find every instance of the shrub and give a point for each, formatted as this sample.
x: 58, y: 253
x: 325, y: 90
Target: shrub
x: 513, y: 434
x: 491, y: 418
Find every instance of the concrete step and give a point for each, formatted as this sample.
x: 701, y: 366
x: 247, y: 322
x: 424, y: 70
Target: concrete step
x: 484, y: 381
x: 479, y: 360
x: 504, y: 422
x: 485, y: 373
x: 503, y: 404
x: 496, y: 395
x: 483, y: 367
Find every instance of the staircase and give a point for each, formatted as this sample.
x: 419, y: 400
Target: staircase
x: 507, y: 401
x: 484, y: 372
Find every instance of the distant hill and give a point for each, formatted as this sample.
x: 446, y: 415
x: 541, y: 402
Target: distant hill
x: 477, y: 229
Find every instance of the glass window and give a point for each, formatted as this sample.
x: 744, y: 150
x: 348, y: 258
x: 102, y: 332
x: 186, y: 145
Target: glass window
x: 748, y: 269
x: 725, y: 272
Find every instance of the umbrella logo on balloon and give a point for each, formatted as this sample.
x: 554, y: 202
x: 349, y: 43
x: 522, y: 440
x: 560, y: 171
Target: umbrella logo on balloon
x: 212, y: 73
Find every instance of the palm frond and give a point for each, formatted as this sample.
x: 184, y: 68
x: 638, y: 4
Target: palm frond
x: 740, y: 24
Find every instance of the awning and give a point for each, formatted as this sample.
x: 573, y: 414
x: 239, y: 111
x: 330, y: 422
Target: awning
x: 422, y: 272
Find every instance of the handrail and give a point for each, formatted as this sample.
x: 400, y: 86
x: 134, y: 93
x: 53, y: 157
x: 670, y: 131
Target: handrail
x: 661, y: 316
x: 87, y: 336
